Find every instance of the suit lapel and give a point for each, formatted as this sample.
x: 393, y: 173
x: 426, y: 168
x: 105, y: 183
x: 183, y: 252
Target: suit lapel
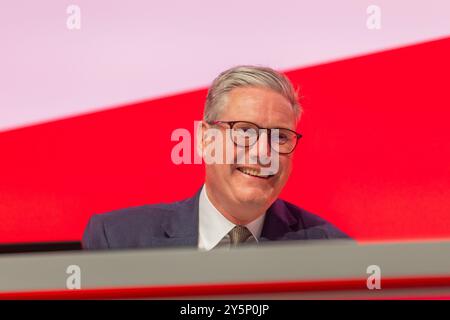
x: 278, y: 222
x: 181, y: 225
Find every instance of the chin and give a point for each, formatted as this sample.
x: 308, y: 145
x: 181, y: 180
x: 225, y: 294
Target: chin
x: 252, y: 195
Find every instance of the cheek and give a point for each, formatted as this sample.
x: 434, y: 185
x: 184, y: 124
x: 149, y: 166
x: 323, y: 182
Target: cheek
x: 286, y: 168
x: 222, y: 172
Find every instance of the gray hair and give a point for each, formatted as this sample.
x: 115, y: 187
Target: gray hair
x: 248, y: 76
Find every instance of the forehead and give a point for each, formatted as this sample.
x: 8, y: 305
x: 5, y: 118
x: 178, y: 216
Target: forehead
x: 262, y: 106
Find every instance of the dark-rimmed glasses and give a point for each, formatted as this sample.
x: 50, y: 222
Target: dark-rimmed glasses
x: 246, y: 134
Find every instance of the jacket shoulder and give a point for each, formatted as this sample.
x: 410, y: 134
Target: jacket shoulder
x: 125, y: 228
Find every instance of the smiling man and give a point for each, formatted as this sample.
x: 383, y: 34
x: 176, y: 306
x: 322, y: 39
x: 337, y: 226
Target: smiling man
x: 255, y: 110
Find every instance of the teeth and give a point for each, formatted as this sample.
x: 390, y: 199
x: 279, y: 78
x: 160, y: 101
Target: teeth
x: 252, y: 172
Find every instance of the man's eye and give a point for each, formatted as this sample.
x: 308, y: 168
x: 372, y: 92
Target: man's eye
x: 281, y: 139
x: 246, y: 131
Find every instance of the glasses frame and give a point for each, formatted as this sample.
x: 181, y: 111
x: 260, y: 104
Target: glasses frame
x: 232, y: 123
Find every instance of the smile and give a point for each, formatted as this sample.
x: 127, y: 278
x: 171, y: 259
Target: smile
x: 254, y: 173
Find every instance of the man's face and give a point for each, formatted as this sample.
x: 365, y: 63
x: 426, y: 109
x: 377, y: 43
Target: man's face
x: 230, y: 184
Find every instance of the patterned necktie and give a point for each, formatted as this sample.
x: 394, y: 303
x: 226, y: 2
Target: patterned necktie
x: 238, y: 235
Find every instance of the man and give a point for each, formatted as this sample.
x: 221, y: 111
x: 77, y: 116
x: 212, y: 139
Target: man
x: 257, y: 111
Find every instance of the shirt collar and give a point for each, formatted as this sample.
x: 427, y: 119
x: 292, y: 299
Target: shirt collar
x: 213, y: 226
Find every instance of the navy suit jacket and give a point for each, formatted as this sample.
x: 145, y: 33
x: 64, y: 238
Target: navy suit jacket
x: 176, y: 225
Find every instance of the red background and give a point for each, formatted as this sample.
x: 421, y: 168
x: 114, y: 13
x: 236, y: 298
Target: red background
x: 374, y: 160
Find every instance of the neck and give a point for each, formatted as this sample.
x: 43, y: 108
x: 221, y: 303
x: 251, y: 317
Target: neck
x: 229, y: 210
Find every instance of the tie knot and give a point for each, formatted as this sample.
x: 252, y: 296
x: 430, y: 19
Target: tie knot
x: 239, y: 234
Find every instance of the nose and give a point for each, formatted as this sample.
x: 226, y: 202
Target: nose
x: 260, y: 151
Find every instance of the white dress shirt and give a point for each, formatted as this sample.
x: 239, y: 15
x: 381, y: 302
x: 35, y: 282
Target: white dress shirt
x: 214, y: 227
